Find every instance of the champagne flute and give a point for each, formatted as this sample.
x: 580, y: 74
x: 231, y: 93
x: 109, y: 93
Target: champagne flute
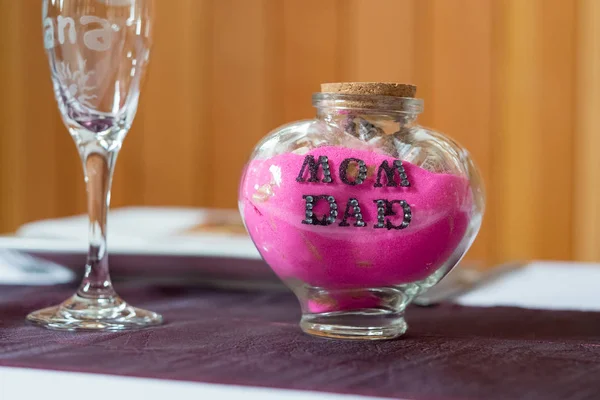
x: 98, y: 51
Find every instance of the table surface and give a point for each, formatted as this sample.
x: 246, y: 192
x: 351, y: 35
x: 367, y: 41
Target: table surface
x: 251, y: 338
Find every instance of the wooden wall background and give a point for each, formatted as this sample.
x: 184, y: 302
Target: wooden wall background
x: 517, y: 82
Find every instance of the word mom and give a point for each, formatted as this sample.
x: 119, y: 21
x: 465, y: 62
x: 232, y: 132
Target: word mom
x: 98, y: 39
x: 384, y: 207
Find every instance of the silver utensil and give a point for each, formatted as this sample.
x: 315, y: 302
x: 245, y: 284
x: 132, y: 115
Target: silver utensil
x: 461, y: 281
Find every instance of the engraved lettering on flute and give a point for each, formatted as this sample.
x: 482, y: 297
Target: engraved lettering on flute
x: 353, y: 172
x: 64, y: 30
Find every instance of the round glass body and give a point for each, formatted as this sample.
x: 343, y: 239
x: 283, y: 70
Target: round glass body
x: 360, y: 210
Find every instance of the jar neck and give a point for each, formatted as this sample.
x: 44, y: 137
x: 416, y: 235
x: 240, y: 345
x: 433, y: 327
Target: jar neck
x: 383, y: 114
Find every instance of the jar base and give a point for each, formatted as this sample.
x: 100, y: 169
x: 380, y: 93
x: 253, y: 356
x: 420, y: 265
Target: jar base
x: 367, y: 324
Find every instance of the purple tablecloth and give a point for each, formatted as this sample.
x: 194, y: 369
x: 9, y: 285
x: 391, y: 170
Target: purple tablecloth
x: 246, y: 338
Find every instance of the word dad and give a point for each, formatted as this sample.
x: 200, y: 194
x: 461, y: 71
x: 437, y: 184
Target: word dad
x: 385, y: 208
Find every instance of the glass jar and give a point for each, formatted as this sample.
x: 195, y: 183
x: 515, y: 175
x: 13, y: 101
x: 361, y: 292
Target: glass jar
x: 360, y: 209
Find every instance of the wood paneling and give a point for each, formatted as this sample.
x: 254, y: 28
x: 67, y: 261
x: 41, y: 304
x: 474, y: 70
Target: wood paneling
x: 461, y: 81
x: 245, y: 70
x: 378, y: 41
x: 533, y: 157
x: 516, y: 140
x: 307, y: 58
x: 586, y: 238
x: 517, y: 82
x: 11, y: 145
x: 173, y: 117
x: 556, y: 96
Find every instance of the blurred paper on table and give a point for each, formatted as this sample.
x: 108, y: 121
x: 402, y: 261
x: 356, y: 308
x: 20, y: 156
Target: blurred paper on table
x: 171, y: 244
x: 156, y: 230
x: 20, y: 269
x: 181, y: 243
x: 548, y: 285
x: 142, y: 223
x: 223, y: 223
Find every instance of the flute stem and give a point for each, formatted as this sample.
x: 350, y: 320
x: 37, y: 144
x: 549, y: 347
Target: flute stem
x: 98, y: 166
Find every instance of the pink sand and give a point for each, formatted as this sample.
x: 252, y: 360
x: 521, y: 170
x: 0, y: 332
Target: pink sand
x: 337, y: 257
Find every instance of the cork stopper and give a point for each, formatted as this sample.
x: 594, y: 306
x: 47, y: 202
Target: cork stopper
x: 380, y: 96
x: 371, y: 88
